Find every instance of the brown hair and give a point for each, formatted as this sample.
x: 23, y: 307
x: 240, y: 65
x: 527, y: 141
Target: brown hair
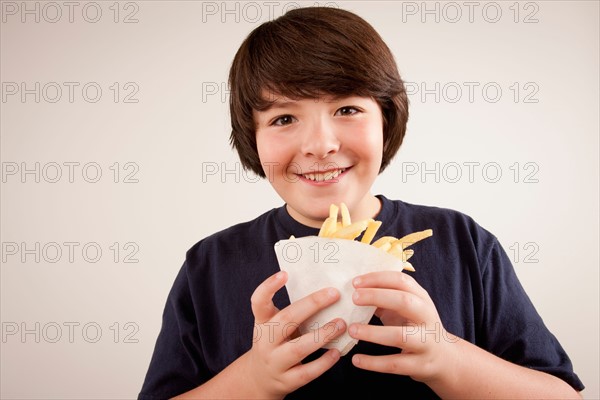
x: 306, y: 53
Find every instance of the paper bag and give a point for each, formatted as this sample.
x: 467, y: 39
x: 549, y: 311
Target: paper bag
x: 313, y: 263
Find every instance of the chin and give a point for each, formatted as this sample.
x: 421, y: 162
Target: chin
x: 313, y: 209
x: 317, y: 213
x: 319, y: 209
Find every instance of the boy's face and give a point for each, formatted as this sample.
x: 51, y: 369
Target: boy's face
x: 316, y: 152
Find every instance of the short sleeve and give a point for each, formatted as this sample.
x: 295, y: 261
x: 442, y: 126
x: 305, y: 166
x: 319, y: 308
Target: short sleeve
x: 512, y: 328
x: 176, y: 365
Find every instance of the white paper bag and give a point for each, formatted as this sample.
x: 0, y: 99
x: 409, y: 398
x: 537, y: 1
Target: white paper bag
x: 313, y: 263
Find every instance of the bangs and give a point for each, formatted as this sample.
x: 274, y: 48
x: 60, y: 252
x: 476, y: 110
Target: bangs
x: 306, y: 59
x: 271, y: 92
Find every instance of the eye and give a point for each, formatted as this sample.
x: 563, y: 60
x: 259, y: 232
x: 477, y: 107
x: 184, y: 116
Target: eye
x: 282, y: 120
x: 347, y: 110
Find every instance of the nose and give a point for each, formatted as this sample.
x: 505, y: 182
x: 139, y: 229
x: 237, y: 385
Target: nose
x: 320, y: 139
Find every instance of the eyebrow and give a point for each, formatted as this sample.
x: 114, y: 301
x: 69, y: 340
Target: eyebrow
x: 283, y: 105
x: 277, y: 105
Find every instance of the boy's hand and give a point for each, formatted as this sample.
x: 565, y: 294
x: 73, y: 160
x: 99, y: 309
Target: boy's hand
x: 451, y: 367
x: 277, y: 351
x: 411, y: 322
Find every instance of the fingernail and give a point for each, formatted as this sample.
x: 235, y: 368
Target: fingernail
x: 331, y: 292
x: 357, y: 281
x: 334, y: 354
x: 355, y: 296
x: 352, y: 330
x: 339, y: 324
x: 356, y: 360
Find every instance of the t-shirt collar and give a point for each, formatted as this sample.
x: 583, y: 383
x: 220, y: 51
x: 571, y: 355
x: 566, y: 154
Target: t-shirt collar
x: 300, y: 230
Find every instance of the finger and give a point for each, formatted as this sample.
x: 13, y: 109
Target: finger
x: 391, y: 317
x: 400, y: 364
x: 297, y: 312
x: 301, y: 374
x: 390, y: 280
x: 262, y: 298
x: 405, y: 304
x: 408, y: 337
x: 299, y: 348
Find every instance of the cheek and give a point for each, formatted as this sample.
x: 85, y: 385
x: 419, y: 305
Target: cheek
x: 271, y: 155
x: 263, y: 155
x: 377, y: 140
x: 264, y: 148
x: 368, y: 142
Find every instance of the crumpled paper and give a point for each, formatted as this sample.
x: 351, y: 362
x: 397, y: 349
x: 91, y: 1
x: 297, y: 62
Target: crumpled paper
x: 313, y: 263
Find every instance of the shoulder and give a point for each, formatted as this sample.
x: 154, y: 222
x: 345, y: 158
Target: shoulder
x: 233, y: 240
x: 446, y: 220
x: 455, y: 233
x: 234, y: 235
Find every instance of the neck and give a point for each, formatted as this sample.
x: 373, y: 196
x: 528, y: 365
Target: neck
x: 367, y: 208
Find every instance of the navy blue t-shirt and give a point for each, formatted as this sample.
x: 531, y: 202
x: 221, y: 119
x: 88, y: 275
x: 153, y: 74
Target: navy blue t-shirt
x: 208, y: 321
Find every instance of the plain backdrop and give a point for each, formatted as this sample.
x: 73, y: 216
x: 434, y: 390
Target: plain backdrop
x: 116, y: 159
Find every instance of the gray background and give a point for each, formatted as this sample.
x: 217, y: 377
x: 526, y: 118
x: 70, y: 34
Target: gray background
x: 519, y: 154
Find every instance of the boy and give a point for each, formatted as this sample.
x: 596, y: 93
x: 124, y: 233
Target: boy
x: 319, y: 109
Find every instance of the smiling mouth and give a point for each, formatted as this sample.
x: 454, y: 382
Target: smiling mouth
x: 324, y: 176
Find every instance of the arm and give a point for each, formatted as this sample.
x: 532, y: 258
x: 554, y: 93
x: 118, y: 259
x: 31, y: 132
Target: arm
x: 272, y: 368
x: 452, y: 367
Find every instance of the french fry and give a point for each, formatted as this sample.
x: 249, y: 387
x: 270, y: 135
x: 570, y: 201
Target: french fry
x: 385, y: 247
x: 396, y: 250
x: 383, y: 240
x: 346, y: 229
x: 408, y: 266
x: 345, y: 215
x: 328, y: 227
x: 413, y: 238
x: 333, y: 211
x: 369, y: 234
x: 351, y: 231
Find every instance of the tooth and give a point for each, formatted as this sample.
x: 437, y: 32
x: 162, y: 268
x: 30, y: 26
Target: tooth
x: 324, y: 176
